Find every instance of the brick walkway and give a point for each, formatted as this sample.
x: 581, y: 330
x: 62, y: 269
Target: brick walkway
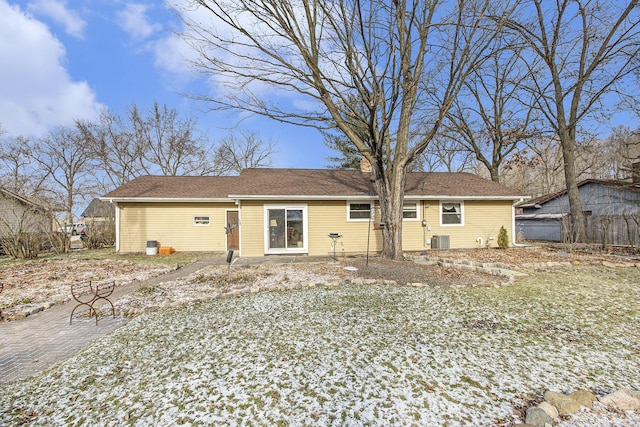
x: 34, y: 344
x: 42, y: 340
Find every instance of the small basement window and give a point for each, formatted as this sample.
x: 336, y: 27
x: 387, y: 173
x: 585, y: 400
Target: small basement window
x: 201, y: 220
x: 358, y: 211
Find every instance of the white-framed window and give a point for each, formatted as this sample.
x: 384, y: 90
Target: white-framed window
x: 200, y: 221
x: 359, y: 211
x: 451, y: 213
x: 410, y: 211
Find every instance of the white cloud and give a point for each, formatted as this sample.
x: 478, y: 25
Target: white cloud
x: 173, y: 55
x: 57, y: 11
x: 134, y: 21
x: 37, y: 92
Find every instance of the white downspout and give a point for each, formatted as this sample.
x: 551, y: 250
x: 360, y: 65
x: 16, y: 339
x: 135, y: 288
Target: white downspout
x: 513, y: 224
x: 239, y: 205
x: 117, y: 209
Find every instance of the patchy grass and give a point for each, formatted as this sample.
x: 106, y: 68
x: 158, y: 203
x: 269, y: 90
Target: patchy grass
x: 173, y: 260
x: 351, y: 355
x: 47, y: 280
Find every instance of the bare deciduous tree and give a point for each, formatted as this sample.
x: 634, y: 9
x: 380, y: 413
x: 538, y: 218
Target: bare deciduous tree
x: 64, y: 158
x: 493, y: 115
x: 621, y: 150
x: 114, y: 148
x: 153, y: 142
x: 446, y: 153
x: 404, y: 61
x: 587, y: 49
x: 247, y: 150
x: 170, y: 142
x: 16, y: 167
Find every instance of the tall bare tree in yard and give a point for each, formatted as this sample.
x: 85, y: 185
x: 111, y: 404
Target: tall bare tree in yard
x: 64, y: 160
x: 587, y: 50
x: 622, y: 151
x: 170, y: 142
x: 246, y: 150
x: 403, y: 61
x: 115, y: 148
x: 493, y: 115
x: 156, y: 141
x: 16, y: 167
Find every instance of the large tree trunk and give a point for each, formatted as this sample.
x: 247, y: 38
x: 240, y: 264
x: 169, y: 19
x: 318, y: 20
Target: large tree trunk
x: 577, y: 232
x: 390, y: 189
x: 494, y: 171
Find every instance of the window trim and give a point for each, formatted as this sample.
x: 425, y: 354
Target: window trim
x: 199, y: 221
x: 359, y: 202
x: 461, y: 202
x: 305, y: 228
x: 417, y: 218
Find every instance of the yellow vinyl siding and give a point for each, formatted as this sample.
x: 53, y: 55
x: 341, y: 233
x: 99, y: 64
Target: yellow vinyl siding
x: 331, y: 217
x: 252, y: 228
x: 324, y: 217
x: 171, y: 224
x: 482, y: 219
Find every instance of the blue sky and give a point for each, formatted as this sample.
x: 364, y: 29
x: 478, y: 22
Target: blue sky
x: 65, y: 60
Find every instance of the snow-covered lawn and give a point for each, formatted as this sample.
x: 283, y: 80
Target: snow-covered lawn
x: 352, y: 355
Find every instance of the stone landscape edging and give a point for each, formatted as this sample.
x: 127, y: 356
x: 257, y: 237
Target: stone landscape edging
x: 504, y: 271
x: 556, y: 405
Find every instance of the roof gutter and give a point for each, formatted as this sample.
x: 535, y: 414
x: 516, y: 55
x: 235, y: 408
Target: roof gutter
x: 364, y: 196
x: 164, y: 200
x: 234, y: 198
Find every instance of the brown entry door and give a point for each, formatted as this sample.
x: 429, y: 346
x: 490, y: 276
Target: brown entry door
x: 233, y: 235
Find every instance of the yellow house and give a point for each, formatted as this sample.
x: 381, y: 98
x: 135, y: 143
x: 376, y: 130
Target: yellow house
x: 307, y: 212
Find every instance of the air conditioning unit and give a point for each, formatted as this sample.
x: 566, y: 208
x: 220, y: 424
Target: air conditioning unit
x: 439, y: 242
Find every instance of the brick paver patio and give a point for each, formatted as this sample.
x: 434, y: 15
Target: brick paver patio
x: 42, y: 340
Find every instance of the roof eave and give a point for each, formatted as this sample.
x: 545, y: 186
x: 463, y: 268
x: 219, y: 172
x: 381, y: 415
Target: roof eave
x: 441, y: 197
x: 365, y: 196
x: 300, y: 197
x: 165, y: 199
x: 234, y: 197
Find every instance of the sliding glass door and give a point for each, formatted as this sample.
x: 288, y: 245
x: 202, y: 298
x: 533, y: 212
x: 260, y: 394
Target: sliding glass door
x: 286, y: 228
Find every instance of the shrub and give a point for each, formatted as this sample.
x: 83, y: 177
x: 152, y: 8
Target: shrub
x: 100, y: 235
x: 503, y: 238
x: 21, y: 245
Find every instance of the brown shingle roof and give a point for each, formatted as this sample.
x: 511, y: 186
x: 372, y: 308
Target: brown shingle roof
x: 303, y: 182
x: 175, y: 187
x: 326, y: 182
x: 455, y: 184
x: 311, y: 183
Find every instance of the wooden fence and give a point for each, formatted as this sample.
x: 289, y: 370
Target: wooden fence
x: 616, y: 230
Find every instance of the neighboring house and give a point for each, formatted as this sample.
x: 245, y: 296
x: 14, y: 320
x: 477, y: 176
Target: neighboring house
x: 293, y: 211
x: 612, y: 210
x: 98, y: 212
x: 19, y: 214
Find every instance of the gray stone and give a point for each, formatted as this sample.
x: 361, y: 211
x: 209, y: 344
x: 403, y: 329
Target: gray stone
x: 563, y: 403
x: 538, y: 417
x: 622, y: 399
x: 549, y: 409
x: 584, y: 398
